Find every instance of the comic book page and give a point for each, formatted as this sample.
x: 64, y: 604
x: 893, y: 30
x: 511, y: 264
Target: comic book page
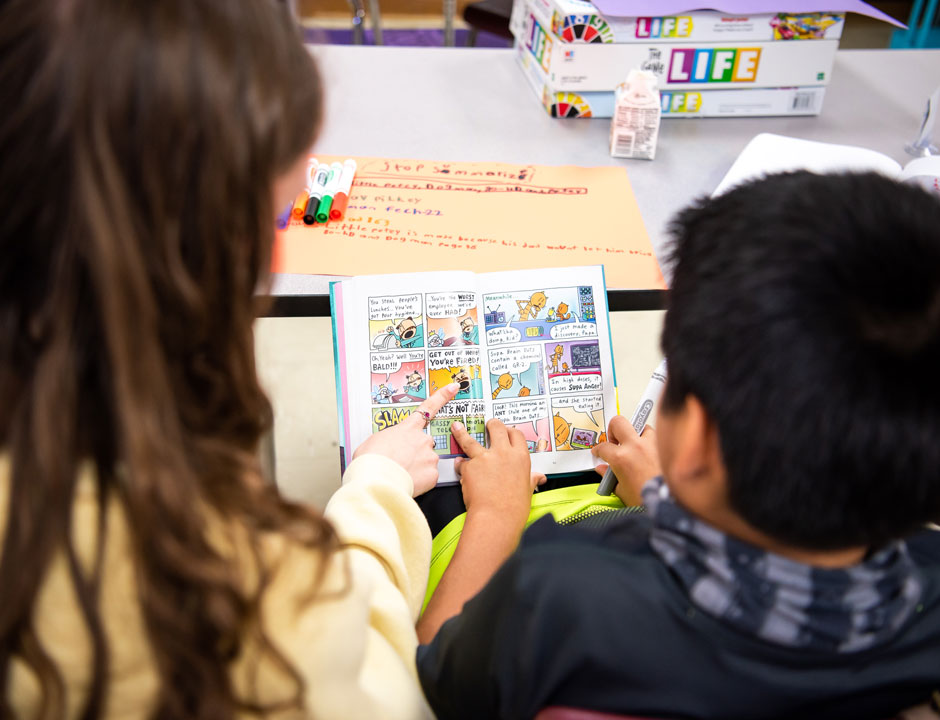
x: 549, y: 360
x: 400, y: 338
x: 531, y: 348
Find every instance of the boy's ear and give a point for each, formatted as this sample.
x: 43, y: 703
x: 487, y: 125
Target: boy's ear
x: 696, y: 469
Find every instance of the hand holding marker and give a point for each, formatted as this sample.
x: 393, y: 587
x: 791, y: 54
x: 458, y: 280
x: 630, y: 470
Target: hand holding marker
x: 643, y: 412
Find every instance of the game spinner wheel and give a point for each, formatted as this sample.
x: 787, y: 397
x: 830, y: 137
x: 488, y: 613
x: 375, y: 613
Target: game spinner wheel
x: 569, y: 105
x: 585, y: 29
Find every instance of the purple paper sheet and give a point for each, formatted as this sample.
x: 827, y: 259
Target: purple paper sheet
x: 661, y: 8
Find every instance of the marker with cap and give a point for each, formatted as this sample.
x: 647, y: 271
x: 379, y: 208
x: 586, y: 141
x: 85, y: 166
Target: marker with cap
x: 332, y: 182
x: 316, y: 187
x: 284, y: 217
x: 310, y: 217
x: 342, y: 191
x: 643, y: 412
x: 300, y: 204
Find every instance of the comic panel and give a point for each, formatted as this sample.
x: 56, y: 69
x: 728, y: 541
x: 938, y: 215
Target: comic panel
x: 395, y: 321
x: 516, y: 371
x: 530, y: 416
x: 578, y: 421
x: 452, y: 319
x: 470, y: 413
x: 386, y: 417
x: 573, y: 366
x: 551, y: 313
x: 398, y: 377
x: 459, y: 364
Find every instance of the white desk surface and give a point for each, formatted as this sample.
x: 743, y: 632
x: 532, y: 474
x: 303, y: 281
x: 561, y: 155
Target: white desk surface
x: 475, y: 104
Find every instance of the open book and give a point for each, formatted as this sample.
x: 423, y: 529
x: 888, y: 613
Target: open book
x: 530, y: 347
x: 768, y: 153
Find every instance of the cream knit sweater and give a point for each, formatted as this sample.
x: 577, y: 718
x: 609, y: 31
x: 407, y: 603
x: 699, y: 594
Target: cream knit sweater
x: 354, y: 644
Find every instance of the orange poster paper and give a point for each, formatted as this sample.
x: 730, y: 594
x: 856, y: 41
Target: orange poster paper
x: 419, y: 215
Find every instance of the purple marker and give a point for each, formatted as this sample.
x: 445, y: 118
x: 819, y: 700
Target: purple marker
x: 284, y: 217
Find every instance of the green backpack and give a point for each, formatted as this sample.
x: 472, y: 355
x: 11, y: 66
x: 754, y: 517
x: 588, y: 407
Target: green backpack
x: 568, y: 505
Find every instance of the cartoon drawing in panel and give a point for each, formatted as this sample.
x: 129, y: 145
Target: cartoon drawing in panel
x: 529, y: 309
x: 408, y: 333
x: 459, y: 364
x: 562, y: 432
x: 447, y: 332
x: 568, y: 313
x: 435, y: 338
x: 414, y: 384
x: 398, y: 377
x: 383, y: 394
x: 503, y: 382
x: 574, y: 366
x: 444, y: 443
x: 469, y: 332
x: 452, y: 319
x: 396, y: 321
x: 530, y: 417
x: 578, y: 422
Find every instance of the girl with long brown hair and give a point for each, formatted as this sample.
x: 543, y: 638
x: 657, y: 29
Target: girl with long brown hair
x: 147, y: 570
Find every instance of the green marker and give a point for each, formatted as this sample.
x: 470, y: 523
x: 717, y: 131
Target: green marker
x: 326, y: 202
x: 323, y: 211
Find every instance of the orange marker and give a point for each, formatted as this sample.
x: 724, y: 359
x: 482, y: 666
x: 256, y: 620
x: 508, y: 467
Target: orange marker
x: 342, y: 192
x: 300, y: 204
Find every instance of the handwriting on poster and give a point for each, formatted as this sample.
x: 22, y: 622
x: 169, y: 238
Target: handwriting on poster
x: 412, y: 215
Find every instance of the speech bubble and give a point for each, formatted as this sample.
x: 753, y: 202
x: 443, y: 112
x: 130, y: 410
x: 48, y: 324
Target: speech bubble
x: 457, y: 356
x: 514, y: 412
x: 457, y: 408
x: 580, y: 403
x: 575, y: 383
x: 572, y: 330
x: 389, y: 307
x: 503, y: 335
x: 451, y: 304
x: 514, y: 359
x: 390, y: 362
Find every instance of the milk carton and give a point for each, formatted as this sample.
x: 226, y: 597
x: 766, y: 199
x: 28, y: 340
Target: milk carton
x: 635, y: 126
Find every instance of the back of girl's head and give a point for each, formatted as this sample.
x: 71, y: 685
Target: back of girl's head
x: 804, y: 314
x: 140, y: 143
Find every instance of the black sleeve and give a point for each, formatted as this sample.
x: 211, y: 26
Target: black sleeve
x: 524, y: 641
x: 478, y: 661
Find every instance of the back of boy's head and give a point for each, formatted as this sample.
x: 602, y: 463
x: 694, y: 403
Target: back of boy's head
x: 804, y: 313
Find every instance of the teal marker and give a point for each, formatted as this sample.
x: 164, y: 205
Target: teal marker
x: 332, y: 182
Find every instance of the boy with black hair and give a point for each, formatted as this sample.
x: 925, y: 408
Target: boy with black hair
x: 781, y: 568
